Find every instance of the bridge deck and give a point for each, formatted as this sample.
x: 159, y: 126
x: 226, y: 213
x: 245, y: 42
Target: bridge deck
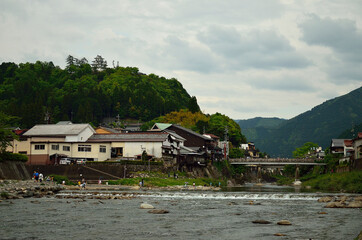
x: 278, y: 163
x: 274, y: 161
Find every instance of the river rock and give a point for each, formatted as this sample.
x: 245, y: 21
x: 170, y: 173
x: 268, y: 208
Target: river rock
x: 158, y: 211
x: 342, y: 199
x: 284, y: 222
x: 358, y: 198
x: 146, y: 206
x: 322, y: 213
x: 261, y: 221
x: 335, y: 205
x: 355, y: 204
x: 279, y: 234
x: 325, y: 199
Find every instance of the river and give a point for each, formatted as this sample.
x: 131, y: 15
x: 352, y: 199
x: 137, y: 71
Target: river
x: 192, y: 215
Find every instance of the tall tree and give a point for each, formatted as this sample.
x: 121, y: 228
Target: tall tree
x: 5, y: 132
x: 99, y: 63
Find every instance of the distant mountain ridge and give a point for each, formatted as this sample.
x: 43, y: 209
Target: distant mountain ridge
x: 322, y: 123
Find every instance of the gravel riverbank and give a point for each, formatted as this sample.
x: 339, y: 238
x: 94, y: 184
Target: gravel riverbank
x: 15, y: 189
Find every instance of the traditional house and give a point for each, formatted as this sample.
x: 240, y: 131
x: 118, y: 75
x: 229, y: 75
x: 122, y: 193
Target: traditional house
x: 357, y: 152
x: 133, y: 144
x: 20, y: 145
x: 195, y: 143
x: 337, y: 146
x: 47, y: 144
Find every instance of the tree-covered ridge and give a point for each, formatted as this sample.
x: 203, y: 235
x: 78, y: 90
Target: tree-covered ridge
x: 217, y: 124
x: 319, y: 125
x: 41, y: 92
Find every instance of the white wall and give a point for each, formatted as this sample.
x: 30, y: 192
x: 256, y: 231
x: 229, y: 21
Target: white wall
x: 81, y: 137
x: 135, y: 148
x: 94, y: 153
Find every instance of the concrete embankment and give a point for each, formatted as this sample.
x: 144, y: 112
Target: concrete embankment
x: 110, y: 171
x: 13, y: 170
x: 13, y: 189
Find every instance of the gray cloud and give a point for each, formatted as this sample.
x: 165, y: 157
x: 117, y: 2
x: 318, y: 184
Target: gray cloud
x: 341, y: 35
x: 343, y: 38
x: 241, y: 58
x: 252, y: 49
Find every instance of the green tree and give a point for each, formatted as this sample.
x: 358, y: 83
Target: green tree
x: 192, y: 105
x: 305, y: 150
x: 6, y: 134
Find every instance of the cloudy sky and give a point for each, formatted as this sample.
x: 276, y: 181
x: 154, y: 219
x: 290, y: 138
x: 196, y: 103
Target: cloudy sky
x: 243, y: 58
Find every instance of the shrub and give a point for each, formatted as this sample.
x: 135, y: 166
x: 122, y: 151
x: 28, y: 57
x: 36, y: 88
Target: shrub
x: 59, y: 179
x: 6, y: 156
x: 4, y: 195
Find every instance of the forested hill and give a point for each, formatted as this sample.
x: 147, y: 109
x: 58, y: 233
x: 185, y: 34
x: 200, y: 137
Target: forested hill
x: 85, y: 92
x: 321, y: 124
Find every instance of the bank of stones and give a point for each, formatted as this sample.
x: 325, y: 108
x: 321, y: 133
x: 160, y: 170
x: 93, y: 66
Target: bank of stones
x: 14, y: 189
x: 342, y: 201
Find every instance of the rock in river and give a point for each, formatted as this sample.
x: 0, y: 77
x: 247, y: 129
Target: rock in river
x: 146, y: 206
x: 284, y: 222
x: 261, y: 221
x: 158, y: 211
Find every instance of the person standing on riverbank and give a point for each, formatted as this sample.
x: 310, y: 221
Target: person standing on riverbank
x: 41, y: 177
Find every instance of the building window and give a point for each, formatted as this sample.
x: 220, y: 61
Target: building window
x: 66, y: 148
x: 102, y: 148
x: 84, y: 148
x: 39, y: 147
x: 55, y: 147
x: 24, y: 152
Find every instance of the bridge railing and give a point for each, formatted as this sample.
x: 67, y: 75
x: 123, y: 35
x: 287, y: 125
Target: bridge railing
x: 280, y: 160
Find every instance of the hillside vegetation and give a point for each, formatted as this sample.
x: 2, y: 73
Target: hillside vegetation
x: 203, y: 123
x: 319, y: 125
x: 41, y: 92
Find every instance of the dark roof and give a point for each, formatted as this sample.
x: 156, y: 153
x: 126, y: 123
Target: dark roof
x: 130, y: 137
x: 190, y: 131
x: 212, y: 135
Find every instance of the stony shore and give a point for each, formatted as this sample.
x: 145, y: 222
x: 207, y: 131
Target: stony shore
x: 342, y: 201
x: 15, y: 189
x: 125, y: 187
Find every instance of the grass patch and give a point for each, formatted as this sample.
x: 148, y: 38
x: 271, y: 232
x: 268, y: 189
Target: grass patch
x: 283, y: 180
x: 4, y: 195
x: 336, y: 182
x: 59, y: 179
x: 158, y: 179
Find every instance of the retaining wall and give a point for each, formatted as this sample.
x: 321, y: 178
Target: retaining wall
x: 14, y: 170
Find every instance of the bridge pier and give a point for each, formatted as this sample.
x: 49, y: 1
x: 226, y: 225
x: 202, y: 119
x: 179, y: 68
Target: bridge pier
x: 296, y: 172
x: 259, y: 174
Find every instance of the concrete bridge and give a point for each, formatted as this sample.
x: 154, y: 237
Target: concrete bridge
x: 274, y: 162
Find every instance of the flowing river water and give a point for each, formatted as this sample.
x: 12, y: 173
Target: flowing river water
x: 192, y: 215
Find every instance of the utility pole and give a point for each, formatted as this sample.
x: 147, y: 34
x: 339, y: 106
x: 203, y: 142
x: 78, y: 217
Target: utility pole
x: 226, y: 144
x: 47, y: 117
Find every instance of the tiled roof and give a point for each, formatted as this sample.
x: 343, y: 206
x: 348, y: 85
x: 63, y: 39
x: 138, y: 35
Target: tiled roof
x: 57, y: 130
x: 130, y: 137
x: 20, y: 132
x: 175, y: 134
x: 192, y: 132
x: 348, y: 143
x: 211, y: 135
x: 162, y: 126
x: 338, y: 142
